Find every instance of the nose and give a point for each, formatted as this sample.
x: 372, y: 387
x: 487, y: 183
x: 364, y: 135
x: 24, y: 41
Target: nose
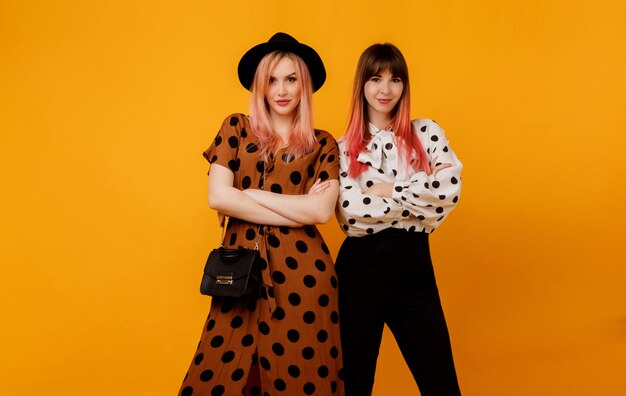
x: 282, y: 88
x: 384, y: 87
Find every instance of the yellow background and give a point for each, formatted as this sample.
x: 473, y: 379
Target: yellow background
x: 105, y: 107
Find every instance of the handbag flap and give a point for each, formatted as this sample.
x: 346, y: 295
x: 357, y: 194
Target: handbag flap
x: 231, y: 262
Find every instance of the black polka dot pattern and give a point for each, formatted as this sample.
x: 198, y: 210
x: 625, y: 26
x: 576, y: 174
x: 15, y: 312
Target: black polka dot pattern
x: 295, y: 177
x: 228, y: 356
x: 237, y: 374
x: 420, y: 201
x: 206, y: 375
x: 294, y: 371
x: 199, y: 358
x: 288, y: 333
x: 252, y: 148
x: 293, y: 335
x: 218, y: 340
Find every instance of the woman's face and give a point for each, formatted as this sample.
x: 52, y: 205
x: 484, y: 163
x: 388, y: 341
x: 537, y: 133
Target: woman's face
x: 382, y: 92
x: 283, y: 91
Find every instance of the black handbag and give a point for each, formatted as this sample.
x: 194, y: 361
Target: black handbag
x: 234, y: 273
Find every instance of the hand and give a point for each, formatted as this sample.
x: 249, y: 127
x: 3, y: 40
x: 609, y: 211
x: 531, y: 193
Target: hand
x: 319, y: 187
x: 380, y: 189
x: 221, y: 218
x: 438, y: 167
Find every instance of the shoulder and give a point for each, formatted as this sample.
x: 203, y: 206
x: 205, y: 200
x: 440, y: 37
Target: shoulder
x: 324, y: 138
x: 426, y: 125
x: 235, y: 121
x: 235, y: 127
x: 428, y: 129
x: 341, y: 143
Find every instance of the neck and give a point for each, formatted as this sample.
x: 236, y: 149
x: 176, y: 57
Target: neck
x: 282, y: 126
x: 381, y: 121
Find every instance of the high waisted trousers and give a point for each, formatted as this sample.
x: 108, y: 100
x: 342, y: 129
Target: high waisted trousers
x: 388, y: 278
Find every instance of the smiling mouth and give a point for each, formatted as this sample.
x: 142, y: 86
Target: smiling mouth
x: 383, y: 101
x: 283, y: 102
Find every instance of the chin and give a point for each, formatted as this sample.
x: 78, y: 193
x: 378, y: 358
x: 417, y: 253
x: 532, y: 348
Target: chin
x: 284, y: 111
x: 385, y: 110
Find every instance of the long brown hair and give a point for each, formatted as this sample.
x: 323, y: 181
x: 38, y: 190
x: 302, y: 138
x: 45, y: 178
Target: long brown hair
x: 374, y: 60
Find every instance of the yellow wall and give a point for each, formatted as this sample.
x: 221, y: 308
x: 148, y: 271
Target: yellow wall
x: 105, y: 107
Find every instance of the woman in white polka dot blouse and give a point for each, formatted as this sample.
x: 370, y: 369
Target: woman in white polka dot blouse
x: 399, y: 179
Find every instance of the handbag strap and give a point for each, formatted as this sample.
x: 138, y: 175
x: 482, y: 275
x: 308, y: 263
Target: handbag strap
x: 258, y: 233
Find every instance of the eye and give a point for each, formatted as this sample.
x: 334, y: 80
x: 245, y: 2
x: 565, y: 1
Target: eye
x: 375, y: 79
x: 396, y: 80
x: 292, y: 79
x: 272, y: 80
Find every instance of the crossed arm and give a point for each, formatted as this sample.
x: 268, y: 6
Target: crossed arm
x: 264, y: 207
x: 386, y: 189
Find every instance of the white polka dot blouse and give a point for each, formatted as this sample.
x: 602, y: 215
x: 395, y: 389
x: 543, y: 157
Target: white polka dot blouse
x: 420, y: 202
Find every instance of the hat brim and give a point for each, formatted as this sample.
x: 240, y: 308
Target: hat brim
x: 251, y: 59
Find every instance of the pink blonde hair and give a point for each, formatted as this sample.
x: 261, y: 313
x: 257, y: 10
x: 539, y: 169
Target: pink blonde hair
x: 374, y: 60
x: 302, y: 138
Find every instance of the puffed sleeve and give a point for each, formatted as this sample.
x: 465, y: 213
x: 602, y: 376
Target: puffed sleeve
x: 354, y: 207
x: 225, y: 147
x: 430, y: 198
x: 328, y: 164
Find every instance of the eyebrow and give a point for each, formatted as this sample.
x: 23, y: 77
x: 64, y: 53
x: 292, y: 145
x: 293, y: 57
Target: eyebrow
x: 380, y: 76
x: 292, y: 74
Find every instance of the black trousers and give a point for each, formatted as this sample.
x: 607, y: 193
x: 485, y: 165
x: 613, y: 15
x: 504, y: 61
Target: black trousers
x: 388, y: 278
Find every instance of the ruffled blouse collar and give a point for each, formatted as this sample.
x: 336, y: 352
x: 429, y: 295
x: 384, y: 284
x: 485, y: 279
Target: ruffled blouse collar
x: 381, y: 145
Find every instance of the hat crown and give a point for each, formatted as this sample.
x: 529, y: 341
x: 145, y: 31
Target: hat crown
x: 285, y: 43
x: 281, y: 37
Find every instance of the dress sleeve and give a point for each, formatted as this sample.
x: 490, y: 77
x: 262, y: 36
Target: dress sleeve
x: 430, y: 198
x: 354, y: 207
x: 224, y: 149
x: 328, y: 168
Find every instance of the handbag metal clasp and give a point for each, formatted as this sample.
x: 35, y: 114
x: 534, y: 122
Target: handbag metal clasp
x: 224, y: 280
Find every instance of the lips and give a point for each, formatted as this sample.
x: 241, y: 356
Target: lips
x: 282, y: 102
x: 383, y: 101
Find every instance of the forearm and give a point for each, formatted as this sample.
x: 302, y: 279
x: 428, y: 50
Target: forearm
x: 430, y: 197
x: 303, y: 209
x: 235, y: 203
x: 369, y: 206
x: 231, y: 201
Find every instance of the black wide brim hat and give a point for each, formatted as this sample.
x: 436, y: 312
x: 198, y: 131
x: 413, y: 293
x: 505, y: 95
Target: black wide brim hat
x: 281, y: 42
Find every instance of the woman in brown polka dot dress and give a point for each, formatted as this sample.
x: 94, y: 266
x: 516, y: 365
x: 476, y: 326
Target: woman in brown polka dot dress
x: 275, y: 177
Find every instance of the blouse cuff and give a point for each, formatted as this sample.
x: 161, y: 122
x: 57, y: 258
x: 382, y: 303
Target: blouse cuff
x: 399, y: 186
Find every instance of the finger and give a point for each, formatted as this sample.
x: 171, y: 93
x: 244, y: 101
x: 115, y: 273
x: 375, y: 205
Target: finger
x: 314, y: 186
x: 319, y: 186
x: 322, y: 187
x: 441, y: 167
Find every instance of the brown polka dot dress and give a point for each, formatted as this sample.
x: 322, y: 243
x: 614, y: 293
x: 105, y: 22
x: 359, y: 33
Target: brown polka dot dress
x: 287, y: 341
